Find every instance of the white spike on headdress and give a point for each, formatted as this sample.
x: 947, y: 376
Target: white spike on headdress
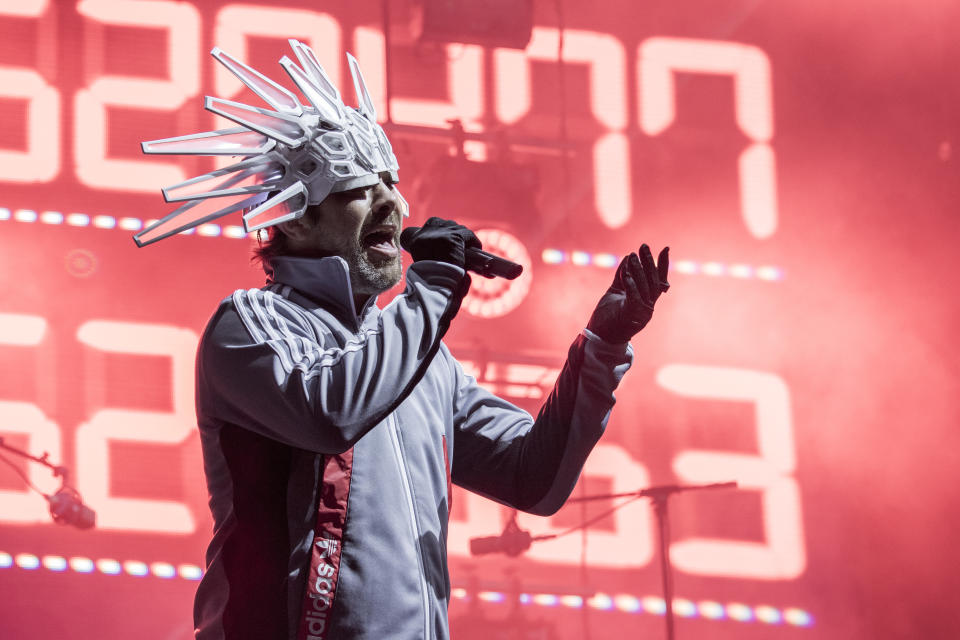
x: 301, y: 152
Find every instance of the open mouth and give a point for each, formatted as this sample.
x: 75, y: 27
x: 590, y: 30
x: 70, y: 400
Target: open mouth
x: 381, y: 241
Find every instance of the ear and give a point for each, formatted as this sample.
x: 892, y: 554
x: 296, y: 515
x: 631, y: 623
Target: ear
x: 295, y: 230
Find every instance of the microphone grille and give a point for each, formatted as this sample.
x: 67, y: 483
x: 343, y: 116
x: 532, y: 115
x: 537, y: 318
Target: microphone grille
x: 407, y: 236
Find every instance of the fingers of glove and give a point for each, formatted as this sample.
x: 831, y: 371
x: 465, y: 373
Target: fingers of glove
x: 622, y: 270
x: 663, y: 266
x: 470, y: 239
x: 637, y: 308
x: 438, y: 222
x: 639, y: 278
x: 650, y: 271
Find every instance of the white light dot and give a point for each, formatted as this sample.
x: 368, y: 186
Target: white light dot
x: 684, y: 608
x: 108, y: 566
x: 234, y: 231
x: 608, y: 260
x: 600, y: 601
x: 163, y: 570
x: 27, y: 561
x: 4, y: 213
x: 770, y: 615
x: 135, y: 568
x: 458, y: 592
x: 209, y: 230
x: 684, y: 266
x: 6, y: 560
x: 131, y: 224
x: 552, y: 256
x: 104, y: 222
x: 769, y: 273
x: 739, y: 611
x: 51, y: 217
x: 81, y: 564
x: 25, y: 215
x: 626, y: 603
x: 580, y: 258
x: 654, y: 604
x: 573, y: 602
x: 710, y: 609
x: 546, y: 599
x: 78, y: 219
x: 797, y: 617
x: 190, y: 571
x: 55, y: 563
x: 491, y: 596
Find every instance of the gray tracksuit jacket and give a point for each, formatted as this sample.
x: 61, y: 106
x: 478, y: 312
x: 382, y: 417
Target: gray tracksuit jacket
x: 324, y: 430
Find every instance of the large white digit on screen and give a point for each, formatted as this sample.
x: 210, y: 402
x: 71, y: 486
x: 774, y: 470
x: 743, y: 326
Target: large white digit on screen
x: 605, y: 56
x: 630, y: 545
x: 40, y: 162
x: 236, y: 22
x: 661, y: 58
x: 782, y: 556
x: 181, y: 22
x: 27, y: 418
x: 464, y: 86
x: 106, y: 425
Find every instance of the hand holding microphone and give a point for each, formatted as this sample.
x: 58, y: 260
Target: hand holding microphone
x: 447, y: 241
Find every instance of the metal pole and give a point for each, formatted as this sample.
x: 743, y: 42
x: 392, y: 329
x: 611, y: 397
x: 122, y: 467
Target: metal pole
x: 666, y: 569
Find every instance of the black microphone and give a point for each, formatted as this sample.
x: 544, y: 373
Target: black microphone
x: 66, y: 507
x: 478, y: 261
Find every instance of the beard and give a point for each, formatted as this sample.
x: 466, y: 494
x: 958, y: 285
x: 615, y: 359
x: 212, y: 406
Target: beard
x: 368, y: 276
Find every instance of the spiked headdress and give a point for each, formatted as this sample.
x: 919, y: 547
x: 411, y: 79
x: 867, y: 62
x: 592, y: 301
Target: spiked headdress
x: 303, y: 152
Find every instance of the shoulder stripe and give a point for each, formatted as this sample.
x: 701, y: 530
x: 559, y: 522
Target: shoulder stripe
x: 261, y: 311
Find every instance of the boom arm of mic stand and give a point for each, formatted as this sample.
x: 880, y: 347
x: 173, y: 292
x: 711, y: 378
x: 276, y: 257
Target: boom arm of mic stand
x: 653, y: 492
x: 659, y: 496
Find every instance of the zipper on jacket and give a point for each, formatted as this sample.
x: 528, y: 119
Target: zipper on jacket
x: 414, y: 526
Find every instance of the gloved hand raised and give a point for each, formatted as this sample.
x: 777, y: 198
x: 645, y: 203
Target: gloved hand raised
x: 442, y: 240
x: 627, y: 305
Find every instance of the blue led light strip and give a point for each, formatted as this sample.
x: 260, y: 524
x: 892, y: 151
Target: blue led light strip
x: 106, y: 566
x: 651, y: 605
x: 549, y: 256
x: 689, y: 267
x: 654, y: 605
x: 210, y: 230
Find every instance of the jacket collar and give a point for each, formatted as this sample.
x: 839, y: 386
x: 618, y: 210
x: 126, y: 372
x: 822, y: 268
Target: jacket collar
x: 326, y: 281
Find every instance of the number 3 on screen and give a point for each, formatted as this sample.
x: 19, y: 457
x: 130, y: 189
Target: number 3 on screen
x: 782, y: 555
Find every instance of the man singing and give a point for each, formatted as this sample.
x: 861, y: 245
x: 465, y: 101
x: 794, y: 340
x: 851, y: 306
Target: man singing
x: 333, y: 429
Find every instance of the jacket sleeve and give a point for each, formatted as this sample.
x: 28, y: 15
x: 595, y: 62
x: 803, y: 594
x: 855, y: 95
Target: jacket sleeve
x: 261, y: 369
x: 501, y: 452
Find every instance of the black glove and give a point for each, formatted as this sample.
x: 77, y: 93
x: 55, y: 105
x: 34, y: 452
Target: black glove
x: 627, y: 306
x: 442, y: 240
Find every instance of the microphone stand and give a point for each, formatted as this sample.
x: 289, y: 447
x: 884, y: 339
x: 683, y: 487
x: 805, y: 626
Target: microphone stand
x: 59, y: 471
x: 659, y: 497
x: 66, y: 505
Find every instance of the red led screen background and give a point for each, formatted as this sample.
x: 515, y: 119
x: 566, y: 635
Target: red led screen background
x: 798, y: 157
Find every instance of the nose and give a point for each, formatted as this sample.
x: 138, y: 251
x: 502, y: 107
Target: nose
x: 385, y: 200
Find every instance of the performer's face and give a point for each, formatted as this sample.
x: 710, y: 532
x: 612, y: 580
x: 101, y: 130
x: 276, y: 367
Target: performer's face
x: 363, y: 227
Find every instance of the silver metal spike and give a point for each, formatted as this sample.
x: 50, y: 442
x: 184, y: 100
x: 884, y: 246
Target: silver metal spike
x: 364, y: 101
x: 271, y: 92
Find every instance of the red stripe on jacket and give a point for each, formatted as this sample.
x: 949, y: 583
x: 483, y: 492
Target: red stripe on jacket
x: 327, y: 547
